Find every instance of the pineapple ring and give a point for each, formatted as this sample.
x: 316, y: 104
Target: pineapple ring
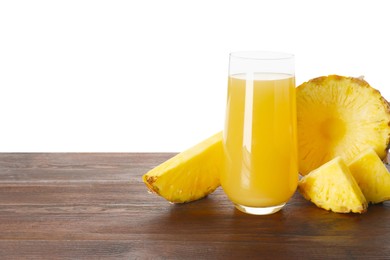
x: 339, y: 116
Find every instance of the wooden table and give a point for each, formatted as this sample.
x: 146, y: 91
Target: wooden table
x: 76, y: 206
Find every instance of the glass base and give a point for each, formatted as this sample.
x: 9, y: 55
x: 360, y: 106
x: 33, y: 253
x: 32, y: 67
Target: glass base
x: 260, y: 210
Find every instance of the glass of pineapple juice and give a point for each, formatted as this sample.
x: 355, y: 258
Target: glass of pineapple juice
x: 260, y: 135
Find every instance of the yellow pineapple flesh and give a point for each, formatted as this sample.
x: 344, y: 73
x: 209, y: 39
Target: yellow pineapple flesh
x: 190, y: 175
x: 372, y: 176
x: 339, y: 116
x: 332, y: 187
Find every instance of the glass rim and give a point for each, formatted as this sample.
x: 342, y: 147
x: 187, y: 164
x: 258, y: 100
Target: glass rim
x: 261, y: 55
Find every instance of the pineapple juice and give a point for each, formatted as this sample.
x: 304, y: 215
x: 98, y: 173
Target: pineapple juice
x: 260, y: 140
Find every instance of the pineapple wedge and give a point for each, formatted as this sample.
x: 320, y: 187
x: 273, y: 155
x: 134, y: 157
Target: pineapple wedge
x: 332, y: 187
x: 372, y: 176
x: 190, y: 175
x: 339, y: 116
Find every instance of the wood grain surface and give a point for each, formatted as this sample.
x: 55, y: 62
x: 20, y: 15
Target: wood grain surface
x: 95, y: 206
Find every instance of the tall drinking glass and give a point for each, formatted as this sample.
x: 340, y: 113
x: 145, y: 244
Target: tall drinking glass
x: 260, y: 136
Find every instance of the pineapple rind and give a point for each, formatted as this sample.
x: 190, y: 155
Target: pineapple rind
x: 189, y: 175
x: 340, y: 116
x: 332, y: 187
x: 372, y: 176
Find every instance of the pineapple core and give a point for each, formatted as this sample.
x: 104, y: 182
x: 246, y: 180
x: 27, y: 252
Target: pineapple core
x: 333, y: 129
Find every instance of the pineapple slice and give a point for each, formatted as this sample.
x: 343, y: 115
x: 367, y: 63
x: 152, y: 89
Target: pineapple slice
x: 339, y: 116
x: 190, y: 175
x: 372, y: 176
x: 332, y: 187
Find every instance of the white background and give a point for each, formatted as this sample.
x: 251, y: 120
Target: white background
x: 143, y: 76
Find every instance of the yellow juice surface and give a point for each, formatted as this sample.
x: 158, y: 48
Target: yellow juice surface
x: 260, y: 140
